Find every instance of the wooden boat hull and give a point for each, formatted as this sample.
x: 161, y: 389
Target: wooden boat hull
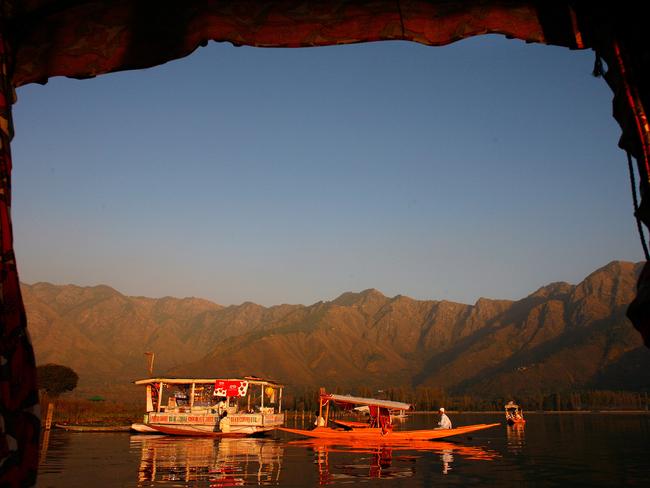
x: 376, y: 435
x: 200, y: 430
x: 236, y: 425
x: 93, y: 428
x: 516, y: 421
x: 192, y: 432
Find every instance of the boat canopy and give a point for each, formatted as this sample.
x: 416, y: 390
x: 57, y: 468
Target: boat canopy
x: 347, y: 400
x: 208, y: 381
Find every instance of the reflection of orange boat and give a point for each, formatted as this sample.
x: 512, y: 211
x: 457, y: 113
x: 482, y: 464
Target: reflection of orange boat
x: 393, y: 460
x: 516, y: 437
x: 332, y: 445
x: 379, y: 428
x: 514, y: 414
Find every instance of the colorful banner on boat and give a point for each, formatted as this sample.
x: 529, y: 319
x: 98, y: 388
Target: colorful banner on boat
x: 230, y: 388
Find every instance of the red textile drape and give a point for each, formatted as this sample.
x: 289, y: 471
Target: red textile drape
x: 19, y: 413
x: 87, y: 38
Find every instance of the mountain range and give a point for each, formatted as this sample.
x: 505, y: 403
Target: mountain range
x: 561, y: 337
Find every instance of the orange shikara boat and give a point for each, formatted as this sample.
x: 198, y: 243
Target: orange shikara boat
x: 379, y: 427
x: 377, y: 435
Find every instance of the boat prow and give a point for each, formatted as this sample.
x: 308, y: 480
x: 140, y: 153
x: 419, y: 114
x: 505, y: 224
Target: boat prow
x: 143, y: 429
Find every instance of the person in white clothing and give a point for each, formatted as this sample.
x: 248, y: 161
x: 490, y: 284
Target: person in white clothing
x: 444, y: 423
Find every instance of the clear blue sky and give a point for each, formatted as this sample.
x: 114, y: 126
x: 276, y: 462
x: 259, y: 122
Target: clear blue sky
x: 486, y: 168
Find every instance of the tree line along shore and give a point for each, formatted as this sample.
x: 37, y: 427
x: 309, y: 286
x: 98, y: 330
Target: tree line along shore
x: 55, y: 381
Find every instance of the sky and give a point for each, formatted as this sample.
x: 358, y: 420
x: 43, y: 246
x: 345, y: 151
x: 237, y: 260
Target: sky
x: 486, y: 168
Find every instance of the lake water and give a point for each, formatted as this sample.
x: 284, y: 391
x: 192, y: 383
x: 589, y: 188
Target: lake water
x: 551, y: 450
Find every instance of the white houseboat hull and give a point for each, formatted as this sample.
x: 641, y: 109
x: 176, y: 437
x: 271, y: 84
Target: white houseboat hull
x: 209, y: 425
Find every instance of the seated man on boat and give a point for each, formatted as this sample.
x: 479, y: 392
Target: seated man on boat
x: 221, y: 406
x: 444, y: 423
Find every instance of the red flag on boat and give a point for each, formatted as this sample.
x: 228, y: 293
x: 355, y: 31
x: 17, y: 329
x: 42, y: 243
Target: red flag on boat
x: 230, y: 388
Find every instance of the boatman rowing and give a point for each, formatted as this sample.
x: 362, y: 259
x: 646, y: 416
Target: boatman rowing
x: 444, y: 423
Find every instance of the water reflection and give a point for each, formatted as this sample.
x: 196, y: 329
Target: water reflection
x: 45, y: 443
x: 382, y: 460
x: 447, y: 458
x: 224, y: 462
x: 53, y: 452
x: 558, y: 449
x: 516, y: 438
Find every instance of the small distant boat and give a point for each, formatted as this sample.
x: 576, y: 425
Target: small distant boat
x: 211, y: 407
x: 93, y: 428
x: 514, y: 414
x: 379, y: 428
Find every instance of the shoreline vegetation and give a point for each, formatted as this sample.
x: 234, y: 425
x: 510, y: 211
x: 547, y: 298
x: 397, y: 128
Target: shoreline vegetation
x: 106, y: 413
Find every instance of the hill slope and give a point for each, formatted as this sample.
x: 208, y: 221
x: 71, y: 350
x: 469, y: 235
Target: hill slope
x: 560, y: 337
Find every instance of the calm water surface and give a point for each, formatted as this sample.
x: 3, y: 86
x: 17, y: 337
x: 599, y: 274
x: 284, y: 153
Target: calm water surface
x: 551, y: 450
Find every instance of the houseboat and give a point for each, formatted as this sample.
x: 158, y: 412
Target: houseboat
x: 232, y: 407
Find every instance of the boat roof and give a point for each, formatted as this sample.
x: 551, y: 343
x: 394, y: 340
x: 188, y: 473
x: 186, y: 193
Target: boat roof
x: 352, y: 400
x: 208, y: 381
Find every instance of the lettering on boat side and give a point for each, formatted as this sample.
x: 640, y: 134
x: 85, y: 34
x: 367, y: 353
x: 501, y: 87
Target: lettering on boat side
x: 252, y: 419
x: 207, y: 419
